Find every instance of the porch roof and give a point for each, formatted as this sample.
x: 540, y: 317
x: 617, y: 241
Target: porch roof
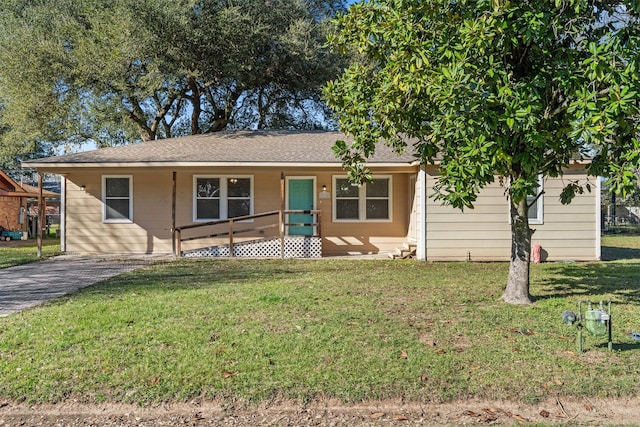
x: 233, y: 148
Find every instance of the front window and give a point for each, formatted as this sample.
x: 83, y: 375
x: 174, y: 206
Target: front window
x: 117, y: 198
x: 367, y: 202
x: 217, y: 197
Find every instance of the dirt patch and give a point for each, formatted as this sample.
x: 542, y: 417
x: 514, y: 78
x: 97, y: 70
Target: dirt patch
x: 16, y: 243
x: 326, y: 413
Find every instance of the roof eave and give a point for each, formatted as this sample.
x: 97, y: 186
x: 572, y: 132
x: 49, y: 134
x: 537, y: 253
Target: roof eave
x: 85, y: 165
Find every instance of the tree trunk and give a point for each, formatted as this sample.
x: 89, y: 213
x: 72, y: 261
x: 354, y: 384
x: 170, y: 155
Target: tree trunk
x: 196, y: 105
x: 262, y: 115
x: 517, y: 291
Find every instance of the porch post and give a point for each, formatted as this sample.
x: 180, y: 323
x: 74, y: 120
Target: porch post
x: 319, y: 220
x: 41, y: 217
x: 63, y: 214
x: 231, y: 238
x: 173, y: 218
x: 282, y: 216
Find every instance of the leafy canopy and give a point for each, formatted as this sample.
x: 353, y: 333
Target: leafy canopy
x: 493, y: 88
x: 122, y: 70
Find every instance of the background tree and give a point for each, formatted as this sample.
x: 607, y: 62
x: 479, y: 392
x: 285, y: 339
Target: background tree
x: 124, y: 70
x: 494, y: 89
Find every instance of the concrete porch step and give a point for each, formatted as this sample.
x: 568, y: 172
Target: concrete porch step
x: 408, y: 250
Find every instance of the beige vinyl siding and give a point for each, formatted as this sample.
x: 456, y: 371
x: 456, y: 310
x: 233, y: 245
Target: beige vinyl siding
x: 152, y: 196
x: 568, y: 232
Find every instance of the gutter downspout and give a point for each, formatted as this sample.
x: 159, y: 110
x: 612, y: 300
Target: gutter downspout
x: 598, y: 198
x: 421, y: 194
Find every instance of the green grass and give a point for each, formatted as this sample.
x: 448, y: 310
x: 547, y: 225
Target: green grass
x: 621, y: 246
x: 26, y: 252
x: 255, y: 330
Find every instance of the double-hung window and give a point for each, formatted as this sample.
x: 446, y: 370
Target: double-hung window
x: 222, y: 197
x: 367, y: 202
x: 535, y: 203
x: 117, y: 198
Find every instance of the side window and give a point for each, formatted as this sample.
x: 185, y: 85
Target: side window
x: 218, y: 197
x: 368, y: 202
x: 117, y: 198
x: 536, y: 210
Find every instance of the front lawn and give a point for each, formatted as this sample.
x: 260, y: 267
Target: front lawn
x: 256, y: 330
x: 17, y: 252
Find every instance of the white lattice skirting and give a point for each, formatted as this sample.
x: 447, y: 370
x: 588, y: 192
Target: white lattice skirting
x: 294, y: 247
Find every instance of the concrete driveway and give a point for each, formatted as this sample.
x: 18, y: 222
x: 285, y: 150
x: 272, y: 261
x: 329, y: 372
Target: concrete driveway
x: 32, y: 284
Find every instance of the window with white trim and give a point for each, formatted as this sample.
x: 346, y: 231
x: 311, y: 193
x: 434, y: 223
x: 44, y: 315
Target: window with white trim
x: 221, y: 197
x: 536, y: 210
x: 367, y: 202
x: 117, y: 198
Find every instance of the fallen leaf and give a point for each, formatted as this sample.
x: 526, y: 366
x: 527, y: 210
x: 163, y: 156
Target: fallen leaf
x: 403, y: 354
x: 469, y: 413
x: 227, y: 374
x: 155, y: 381
x: 400, y: 418
x: 377, y: 415
x: 544, y: 414
x: 588, y: 407
x: 558, y: 382
x: 440, y: 351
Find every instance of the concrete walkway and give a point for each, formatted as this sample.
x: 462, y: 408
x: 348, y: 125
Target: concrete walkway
x: 28, y: 285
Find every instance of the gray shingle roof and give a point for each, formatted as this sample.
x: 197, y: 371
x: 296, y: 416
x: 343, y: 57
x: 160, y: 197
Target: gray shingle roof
x: 233, y: 148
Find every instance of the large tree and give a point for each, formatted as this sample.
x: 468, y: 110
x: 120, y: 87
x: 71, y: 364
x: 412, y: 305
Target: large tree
x: 494, y: 90
x: 122, y: 70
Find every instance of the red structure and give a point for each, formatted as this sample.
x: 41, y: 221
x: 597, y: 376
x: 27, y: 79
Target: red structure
x: 13, y: 203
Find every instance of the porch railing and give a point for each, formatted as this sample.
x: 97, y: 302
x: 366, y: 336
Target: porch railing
x: 282, y: 223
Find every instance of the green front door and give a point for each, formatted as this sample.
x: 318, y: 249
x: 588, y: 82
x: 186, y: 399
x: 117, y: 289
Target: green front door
x: 301, y: 198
